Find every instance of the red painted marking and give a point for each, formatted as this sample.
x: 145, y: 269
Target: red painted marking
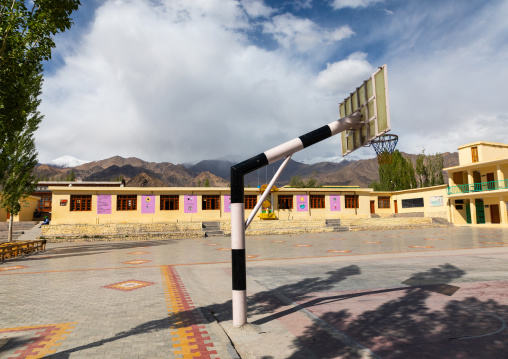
x: 421, y: 247
x: 338, y: 251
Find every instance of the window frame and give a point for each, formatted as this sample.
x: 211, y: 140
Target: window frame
x: 351, y: 201
x: 317, y: 201
x: 250, y: 201
x: 210, y: 200
x: 84, y: 200
x: 122, y: 202
x: 169, y: 199
x: 474, y: 154
x: 383, y: 202
x: 287, y: 199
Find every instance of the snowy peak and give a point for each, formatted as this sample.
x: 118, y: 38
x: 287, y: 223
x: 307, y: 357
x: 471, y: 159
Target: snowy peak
x: 67, y: 161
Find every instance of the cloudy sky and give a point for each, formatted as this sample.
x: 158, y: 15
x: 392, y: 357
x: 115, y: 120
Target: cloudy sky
x: 180, y: 80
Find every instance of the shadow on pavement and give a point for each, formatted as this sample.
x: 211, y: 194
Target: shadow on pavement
x: 404, y: 327
x: 407, y: 328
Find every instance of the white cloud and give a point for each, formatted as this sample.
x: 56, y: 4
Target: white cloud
x: 342, y: 77
x: 340, y: 4
x: 174, y: 83
x: 303, y: 34
x: 445, y: 90
x: 257, y: 8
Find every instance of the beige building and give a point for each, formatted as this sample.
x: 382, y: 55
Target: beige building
x: 28, y: 206
x: 477, y: 194
x: 94, y: 205
x: 478, y: 187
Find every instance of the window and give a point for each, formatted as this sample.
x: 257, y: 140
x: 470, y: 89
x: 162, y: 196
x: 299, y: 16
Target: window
x: 81, y: 202
x: 250, y: 201
x: 210, y: 201
x: 285, y: 201
x: 474, y: 154
x: 317, y: 201
x: 412, y: 203
x: 352, y: 201
x: 44, y: 204
x: 169, y: 202
x: 126, y: 202
x: 383, y: 202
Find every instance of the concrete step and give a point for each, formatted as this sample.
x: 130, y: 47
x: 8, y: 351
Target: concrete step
x: 214, y: 226
x: 340, y: 229
x: 332, y: 222
x: 217, y: 233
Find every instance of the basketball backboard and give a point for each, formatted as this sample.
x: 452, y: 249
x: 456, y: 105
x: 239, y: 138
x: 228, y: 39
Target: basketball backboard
x: 371, y: 98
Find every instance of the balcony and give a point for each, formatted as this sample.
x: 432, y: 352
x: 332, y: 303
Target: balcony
x: 478, y: 187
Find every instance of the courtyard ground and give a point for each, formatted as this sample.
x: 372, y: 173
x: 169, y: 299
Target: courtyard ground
x: 422, y: 293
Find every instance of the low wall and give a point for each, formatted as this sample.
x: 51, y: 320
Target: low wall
x: 119, y: 228
x: 385, y: 221
x: 272, y: 224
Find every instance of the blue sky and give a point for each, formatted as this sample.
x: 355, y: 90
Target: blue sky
x: 178, y: 80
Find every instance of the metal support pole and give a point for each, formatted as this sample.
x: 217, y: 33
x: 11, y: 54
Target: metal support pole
x: 267, y: 191
x: 238, y: 172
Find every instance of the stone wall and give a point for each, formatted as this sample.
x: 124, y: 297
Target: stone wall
x: 118, y: 228
x: 385, y: 221
x: 273, y: 224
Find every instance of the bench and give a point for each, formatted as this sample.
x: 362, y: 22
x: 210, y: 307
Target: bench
x: 16, y: 249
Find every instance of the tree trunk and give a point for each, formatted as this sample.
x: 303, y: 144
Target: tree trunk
x: 11, y: 220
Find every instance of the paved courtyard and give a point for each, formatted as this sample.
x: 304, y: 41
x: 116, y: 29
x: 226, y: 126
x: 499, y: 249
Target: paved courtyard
x: 423, y: 293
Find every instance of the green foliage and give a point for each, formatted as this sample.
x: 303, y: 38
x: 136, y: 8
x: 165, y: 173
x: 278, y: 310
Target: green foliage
x: 19, y: 157
x: 71, y: 176
x: 27, y: 28
x: 429, y: 169
x: 298, y: 182
x: 207, y: 182
x: 401, y: 174
x: 199, y: 183
x: 396, y: 176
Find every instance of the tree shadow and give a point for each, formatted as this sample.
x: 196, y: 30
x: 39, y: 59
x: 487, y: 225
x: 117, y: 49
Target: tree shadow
x: 79, y: 249
x: 412, y: 326
x: 404, y: 327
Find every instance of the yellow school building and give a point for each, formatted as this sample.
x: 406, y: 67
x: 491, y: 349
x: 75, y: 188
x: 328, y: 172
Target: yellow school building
x: 478, y: 187
x: 477, y: 194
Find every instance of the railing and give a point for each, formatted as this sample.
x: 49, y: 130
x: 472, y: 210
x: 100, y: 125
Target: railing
x: 478, y: 187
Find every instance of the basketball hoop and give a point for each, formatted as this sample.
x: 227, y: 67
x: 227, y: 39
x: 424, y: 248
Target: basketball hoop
x: 384, y: 146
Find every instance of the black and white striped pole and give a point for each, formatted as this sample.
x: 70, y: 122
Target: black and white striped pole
x: 238, y: 224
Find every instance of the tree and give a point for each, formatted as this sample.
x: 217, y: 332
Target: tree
x: 27, y: 28
x: 207, y: 182
x: 397, y: 175
x: 19, y: 157
x: 429, y: 169
x: 26, y: 38
x: 71, y: 176
x: 422, y: 170
x: 298, y: 182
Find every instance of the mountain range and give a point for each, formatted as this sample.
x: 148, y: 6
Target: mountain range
x: 139, y: 173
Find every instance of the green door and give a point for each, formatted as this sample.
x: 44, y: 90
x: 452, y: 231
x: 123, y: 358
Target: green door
x: 468, y: 212
x: 480, y: 211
